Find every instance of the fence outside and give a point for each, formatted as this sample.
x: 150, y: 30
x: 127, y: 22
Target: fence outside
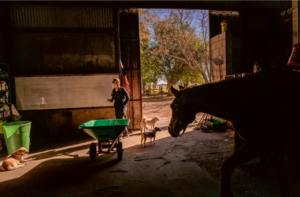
x: 156, y: 90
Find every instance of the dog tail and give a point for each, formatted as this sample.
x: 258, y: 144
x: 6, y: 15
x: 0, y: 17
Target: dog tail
x: 144, y: 118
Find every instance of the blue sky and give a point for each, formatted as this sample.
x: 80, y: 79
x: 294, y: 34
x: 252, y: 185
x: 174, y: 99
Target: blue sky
x: 164, y: 12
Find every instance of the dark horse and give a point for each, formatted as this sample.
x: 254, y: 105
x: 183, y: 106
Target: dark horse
x: 264, y: 109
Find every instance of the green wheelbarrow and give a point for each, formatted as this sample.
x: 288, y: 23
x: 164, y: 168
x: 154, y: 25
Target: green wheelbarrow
x: 107, y: 132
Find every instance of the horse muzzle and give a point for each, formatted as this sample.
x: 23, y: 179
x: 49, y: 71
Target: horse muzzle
x: 172, y: 132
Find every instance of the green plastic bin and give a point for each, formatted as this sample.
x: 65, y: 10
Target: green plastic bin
x: 217, y: 125
x: 16, y: 135
x: 111, y: 127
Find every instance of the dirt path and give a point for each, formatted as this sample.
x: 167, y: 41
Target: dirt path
x: 158, y: 106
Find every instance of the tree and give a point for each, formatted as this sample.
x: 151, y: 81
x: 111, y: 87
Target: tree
x: 150, y: 72
x: 190, y: 77
x: 178, y: 39
x: 169, y: 68
x: 174, y: 49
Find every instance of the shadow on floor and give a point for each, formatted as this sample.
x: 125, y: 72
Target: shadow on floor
x: 78, y: 176
x: 55, y: 143
x: 59, y: 177
x: 66, y: 152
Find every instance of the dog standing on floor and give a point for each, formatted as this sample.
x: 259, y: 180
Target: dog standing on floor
x: 151, y: 122
x: 15, y: 160
x: 151, y: 134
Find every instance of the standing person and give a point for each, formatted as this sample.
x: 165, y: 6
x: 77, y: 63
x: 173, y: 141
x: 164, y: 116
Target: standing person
x: 261, y: 65
x: 121, y: 98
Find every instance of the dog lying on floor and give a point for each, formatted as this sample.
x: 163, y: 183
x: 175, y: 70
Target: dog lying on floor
x: 151, y: 122
x: 151, y: 134
x: 15, y: 160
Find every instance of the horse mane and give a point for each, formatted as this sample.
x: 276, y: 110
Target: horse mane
x: 266, y: 80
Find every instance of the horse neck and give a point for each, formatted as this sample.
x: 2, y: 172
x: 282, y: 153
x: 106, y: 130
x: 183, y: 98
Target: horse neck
x: 212, y: 99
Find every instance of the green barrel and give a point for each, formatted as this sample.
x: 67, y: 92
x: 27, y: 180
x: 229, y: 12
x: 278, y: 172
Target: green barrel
x: 16, y: 135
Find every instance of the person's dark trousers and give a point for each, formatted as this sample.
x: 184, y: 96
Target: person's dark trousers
x: 120, y: 113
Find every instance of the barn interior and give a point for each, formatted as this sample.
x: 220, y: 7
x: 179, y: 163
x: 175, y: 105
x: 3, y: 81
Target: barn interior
x: 101, y: 38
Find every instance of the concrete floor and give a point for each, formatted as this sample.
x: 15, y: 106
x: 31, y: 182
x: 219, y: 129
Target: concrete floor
x: 184, y: 166
x: 162, y: 169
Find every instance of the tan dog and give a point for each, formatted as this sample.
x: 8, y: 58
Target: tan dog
x: 151, y: 122
x: 151, y: 134
x: 15, y: 160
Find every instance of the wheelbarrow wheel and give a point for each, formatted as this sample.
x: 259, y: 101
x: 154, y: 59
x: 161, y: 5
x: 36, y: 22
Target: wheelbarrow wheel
x: 120, y: 151
x: 93, y: 153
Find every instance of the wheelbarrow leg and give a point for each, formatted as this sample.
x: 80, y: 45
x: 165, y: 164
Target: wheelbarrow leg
x: 120, y: 151
x: 93, y: 153
x: 101, y: 139
x: 99, y: 147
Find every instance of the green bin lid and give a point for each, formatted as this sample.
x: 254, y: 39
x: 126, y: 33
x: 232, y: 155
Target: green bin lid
x: 105, y: 123
x: 11, y: 127
x: 19, y: 123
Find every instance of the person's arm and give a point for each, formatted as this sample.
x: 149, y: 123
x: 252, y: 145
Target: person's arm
x: 112, y: 96
x: 126, y: 95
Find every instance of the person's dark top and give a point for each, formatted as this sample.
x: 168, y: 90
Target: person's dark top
x: 120, y: 97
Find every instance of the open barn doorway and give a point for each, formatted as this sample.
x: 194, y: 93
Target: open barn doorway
x: 164, y: 61
x: 174, y: 51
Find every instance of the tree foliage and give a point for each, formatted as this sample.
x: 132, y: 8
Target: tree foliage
x: 150, y: 71
x: 190, y: 76
x: 172, y: 47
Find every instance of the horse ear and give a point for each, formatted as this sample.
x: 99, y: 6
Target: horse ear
x: 174, y: 91
x: 181, y: 87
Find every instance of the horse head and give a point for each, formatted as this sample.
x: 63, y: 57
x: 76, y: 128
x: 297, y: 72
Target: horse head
x: 183, y: 113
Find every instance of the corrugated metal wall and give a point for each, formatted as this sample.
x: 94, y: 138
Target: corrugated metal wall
x: 35, y: 16
x: 59, y: 38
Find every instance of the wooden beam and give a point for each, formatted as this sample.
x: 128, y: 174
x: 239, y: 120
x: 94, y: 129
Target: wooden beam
x: 296, y: 21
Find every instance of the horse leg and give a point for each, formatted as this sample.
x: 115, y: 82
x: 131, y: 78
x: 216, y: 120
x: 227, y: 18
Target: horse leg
x: 279, y: 169
x: 245, y: 153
